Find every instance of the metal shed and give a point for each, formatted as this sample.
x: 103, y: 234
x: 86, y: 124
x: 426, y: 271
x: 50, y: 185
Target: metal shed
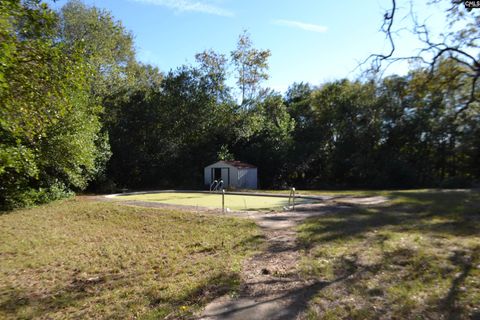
x: 235, y: 174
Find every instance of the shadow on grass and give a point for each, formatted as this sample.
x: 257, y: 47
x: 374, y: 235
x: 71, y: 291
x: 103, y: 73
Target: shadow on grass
x: 78, y: 289
x: 37, y: 306
x: 415, y: 257
x: 465, y: 261
x: 183, y: 306
x: 456, y: 213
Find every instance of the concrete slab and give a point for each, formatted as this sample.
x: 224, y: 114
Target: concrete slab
x: 245, y: 308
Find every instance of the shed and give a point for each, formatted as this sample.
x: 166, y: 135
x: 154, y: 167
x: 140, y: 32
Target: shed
x: 235, y: 174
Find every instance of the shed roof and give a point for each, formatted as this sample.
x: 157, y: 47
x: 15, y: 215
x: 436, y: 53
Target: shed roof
x: 239, y: 164
x: 235, y: 163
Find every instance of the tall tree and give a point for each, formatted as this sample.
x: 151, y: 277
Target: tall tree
x: 108, y: 46
x: 297, y: 100
x: 214, y: 68
x: 266, y: 138
x: 48, y: 124
x: 251, y: 66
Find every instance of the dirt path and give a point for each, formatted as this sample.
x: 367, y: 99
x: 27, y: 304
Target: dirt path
x: 271, y: 285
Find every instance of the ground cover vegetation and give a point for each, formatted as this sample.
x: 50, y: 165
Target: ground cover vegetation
x: 98, y: 260
x: 79, y: 111
x: 415, y: 257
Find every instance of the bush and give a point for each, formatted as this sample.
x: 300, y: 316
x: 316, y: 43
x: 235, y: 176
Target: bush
x: 56, y: 191
x: 23, y: 196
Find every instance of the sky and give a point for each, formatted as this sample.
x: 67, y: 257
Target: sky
x: 311, y: 41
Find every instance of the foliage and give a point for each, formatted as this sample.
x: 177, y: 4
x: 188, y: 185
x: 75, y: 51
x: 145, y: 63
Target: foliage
x: 266, y: 140
x: 225, y: 154
x: 401, y: 132
x: 251, y: 66
x: 49, y: 124
x: 456, y: 40
x: 214, y: 68
x: 164, y: 136
x: 107, y: 46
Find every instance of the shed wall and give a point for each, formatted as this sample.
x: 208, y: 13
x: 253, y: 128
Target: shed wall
x: 238, y: 177
x: 229, y: 180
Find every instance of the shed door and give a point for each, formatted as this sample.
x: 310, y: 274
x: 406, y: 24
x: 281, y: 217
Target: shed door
x: 221, y: 174
x: 217, y: 174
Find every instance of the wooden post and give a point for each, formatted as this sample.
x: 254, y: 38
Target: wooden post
x: 223, y: 201
x: 293, y: 190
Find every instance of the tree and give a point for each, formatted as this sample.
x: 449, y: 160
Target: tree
x: 214, y: 68
x: 459, y: 43
x: 48, y: 124
x: 224, y: 154
x: 266, y: 138
x: 297, y: 100
x: 165, y: 135
x: 116, y: 75
x: 348, y: 113
x: 251, y: 66
x: 107, y: 46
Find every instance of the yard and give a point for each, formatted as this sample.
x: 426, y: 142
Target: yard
x: 417, y: 257
x: 82, y: 259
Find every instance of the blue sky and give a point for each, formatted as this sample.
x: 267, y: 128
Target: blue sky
x: 310, y: 40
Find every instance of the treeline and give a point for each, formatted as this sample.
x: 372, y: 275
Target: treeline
x: 78, y: 111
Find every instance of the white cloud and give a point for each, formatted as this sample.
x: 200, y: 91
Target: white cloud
x: 301, y: 25
x: 190, y: 5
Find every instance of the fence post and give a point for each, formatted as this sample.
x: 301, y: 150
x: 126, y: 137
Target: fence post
x: 293, y: 190
x: 223, y: 201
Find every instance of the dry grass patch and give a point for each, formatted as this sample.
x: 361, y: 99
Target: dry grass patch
x: 79, y: 259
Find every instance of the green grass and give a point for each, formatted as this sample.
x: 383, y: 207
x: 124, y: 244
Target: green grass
x: 347, y: 193
x: 417, y: 257
x: 79, y: 259
x: 234, y: 202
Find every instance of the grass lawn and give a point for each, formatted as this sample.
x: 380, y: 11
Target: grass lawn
x: 347, y: 193
x: 81, y: 259
x: 417, y: 257
x: 234, y: 202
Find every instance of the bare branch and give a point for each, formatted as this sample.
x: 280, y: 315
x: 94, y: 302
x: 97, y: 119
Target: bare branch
x: 452, y: 45
x: 388, y: 20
